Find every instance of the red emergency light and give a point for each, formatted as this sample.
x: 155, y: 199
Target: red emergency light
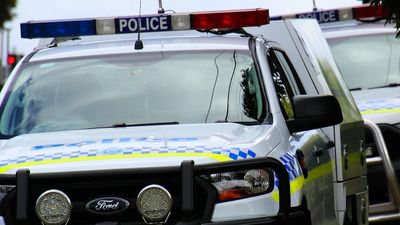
x: 367, y: 11
x: 230, y: 19
x: 11, y: 59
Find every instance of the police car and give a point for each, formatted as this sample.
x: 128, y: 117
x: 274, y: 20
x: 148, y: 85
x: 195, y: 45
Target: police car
x: 366, y: 52
x: 214, y: 126
x: 371, y: 74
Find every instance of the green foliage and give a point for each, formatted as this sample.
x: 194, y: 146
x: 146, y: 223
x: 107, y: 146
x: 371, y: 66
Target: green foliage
x: 249, y: 98
x: 6, y: 10
x: 393, y: 7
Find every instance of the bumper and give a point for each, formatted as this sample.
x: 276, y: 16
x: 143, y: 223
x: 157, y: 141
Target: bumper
x: 194, y: 199
x: 296, y: 217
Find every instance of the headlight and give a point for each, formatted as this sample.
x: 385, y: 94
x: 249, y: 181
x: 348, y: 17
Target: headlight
x: 242, y: 184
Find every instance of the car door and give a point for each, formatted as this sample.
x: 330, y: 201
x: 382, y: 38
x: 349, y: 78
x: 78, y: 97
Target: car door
x: 313, y: 144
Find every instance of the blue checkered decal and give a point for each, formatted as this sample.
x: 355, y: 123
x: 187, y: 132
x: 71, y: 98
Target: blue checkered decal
x: 290, y: 165
x: 377, y: 104
x: 233, y: 153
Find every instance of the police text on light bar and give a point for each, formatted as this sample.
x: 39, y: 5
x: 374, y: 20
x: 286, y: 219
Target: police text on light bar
x: 335, y: 15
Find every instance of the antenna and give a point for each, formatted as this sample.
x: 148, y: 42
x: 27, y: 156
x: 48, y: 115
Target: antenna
x: 138, y: 42
x: 160, y: 8
x: 314, y: 6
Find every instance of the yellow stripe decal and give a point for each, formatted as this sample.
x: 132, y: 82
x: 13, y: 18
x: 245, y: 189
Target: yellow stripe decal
x: 299, y: 182
x: 319, y: 171
x: 377, y: 111
x: 295, y: 186
x: 216, y: 157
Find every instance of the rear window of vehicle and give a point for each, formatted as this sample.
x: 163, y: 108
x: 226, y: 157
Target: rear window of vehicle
x: 367, y: 61
x: 183, y: 87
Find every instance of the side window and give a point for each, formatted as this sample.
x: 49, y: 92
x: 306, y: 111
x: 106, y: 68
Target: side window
x: 289, y: 70
x: 285, y: 81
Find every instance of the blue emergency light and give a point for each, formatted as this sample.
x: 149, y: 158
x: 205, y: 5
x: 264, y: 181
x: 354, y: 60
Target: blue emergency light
x: 56, y: 29
x: 148, y: 23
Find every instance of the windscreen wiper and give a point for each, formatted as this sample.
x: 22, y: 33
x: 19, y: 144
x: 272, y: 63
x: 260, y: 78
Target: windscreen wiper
x: 144, y: 124
x: 239, y: 122
x: 388, y: 85
x: 116, y: 125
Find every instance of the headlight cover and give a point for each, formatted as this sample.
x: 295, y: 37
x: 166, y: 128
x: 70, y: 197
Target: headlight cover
x: 242, y: 184
x: 154, y: 203
x: 53, y: 207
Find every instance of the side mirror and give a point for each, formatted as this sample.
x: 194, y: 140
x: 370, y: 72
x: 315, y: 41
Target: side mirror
x: 312, y: 112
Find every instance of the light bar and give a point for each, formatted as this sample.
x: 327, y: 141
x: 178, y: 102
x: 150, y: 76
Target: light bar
x: 146, y: 23
x: 363, y: 12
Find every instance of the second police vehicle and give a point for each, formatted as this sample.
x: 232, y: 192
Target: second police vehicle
x: 366, y: 51
x: 219, y: 125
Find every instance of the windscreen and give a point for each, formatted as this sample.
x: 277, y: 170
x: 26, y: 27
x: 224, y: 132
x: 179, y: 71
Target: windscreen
x: 107, y: 91
x: 367, y: 61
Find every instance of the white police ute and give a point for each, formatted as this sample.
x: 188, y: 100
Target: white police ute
x: 366, y: 52
x: 213, y: 126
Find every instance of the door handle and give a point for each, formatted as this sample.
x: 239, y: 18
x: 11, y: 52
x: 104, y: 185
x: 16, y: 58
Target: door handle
x: 318, y: 152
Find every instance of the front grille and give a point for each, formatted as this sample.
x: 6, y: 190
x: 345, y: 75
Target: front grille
x: 82, y: 189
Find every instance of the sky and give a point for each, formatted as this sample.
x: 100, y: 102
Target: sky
x: 27, y: 10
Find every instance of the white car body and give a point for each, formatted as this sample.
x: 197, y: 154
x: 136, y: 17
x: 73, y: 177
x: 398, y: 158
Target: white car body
x: 373, y: 84
x: 323, y: 188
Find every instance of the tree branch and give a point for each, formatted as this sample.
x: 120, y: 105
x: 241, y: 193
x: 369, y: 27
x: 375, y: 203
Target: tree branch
x: 6, y: 7
x: 393, y: 7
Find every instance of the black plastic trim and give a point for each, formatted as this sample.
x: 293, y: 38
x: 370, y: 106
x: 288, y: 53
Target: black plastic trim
x: 266, y: 114
x: 211, y: 199
x: 187, y: 186
x: 6, y: 210
x: 22, y: 177
x: 296, y: 217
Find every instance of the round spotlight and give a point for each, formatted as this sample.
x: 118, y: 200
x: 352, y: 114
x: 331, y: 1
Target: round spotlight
x: 154, y: 204
x: 53, y: 207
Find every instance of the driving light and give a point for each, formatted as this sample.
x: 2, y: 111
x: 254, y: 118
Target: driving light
x: 242, y: 184
x: 154, y: 203
x: 53, y: 207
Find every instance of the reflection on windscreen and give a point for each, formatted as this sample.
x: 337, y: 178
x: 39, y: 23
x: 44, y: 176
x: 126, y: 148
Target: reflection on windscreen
x: 367, y: 61
x: 200, y: 87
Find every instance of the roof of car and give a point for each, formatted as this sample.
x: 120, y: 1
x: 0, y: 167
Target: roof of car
x: 111, y: 44
x: 354, y: 28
